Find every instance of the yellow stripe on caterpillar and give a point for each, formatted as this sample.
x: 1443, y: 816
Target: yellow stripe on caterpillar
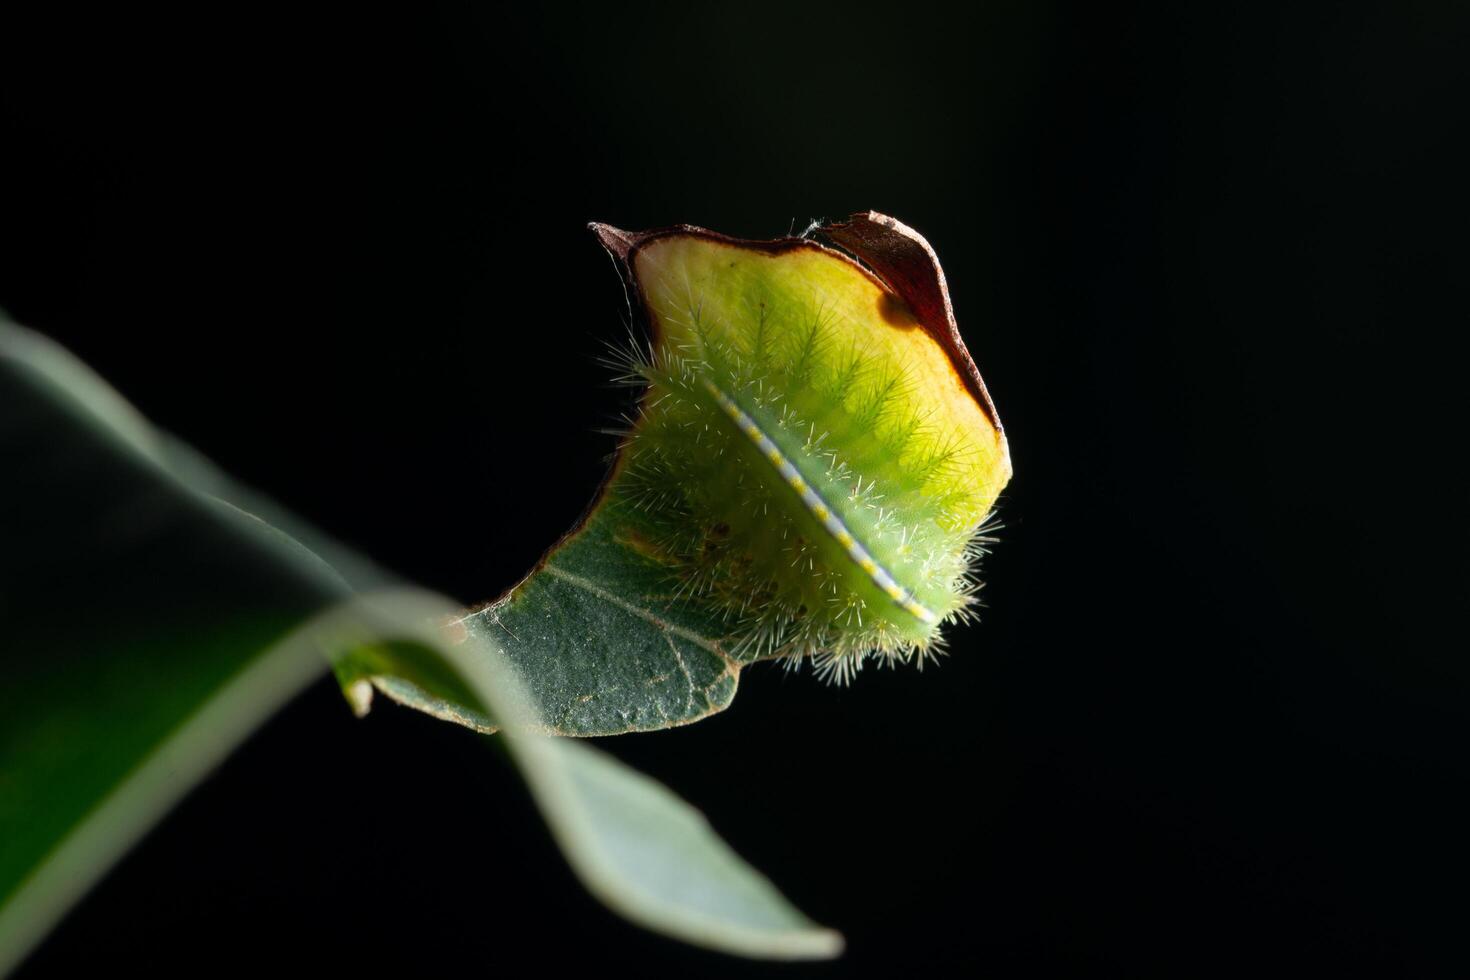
x: 830, y: 522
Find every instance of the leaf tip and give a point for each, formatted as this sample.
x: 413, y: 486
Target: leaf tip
x: 359, y: 695
x: 617, y: 241
x: 825, y: 944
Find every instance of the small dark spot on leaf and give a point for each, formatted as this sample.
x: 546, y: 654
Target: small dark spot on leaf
x: 895, y: 312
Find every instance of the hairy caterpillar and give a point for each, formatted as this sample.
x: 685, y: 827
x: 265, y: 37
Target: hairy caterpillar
x: 814, y: 454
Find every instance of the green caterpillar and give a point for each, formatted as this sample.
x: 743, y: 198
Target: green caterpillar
x: 814, y: 455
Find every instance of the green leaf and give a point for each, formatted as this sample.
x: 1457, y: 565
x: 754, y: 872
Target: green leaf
x: 599, y: 645
x: 152, y: 619
x: 653, y: 857
x: 604, y: 630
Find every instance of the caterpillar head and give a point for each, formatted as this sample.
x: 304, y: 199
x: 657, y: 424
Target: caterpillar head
x: 814, y: 454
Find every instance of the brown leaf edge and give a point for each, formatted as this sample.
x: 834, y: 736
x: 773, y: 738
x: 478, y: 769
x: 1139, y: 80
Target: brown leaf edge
x: 906, y: 262
x: 896, y: 256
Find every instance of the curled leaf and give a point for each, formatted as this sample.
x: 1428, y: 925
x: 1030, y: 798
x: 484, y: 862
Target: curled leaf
x: 809, y: 476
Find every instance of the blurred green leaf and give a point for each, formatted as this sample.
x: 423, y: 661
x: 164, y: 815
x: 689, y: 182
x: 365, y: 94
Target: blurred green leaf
x: 151, y: 620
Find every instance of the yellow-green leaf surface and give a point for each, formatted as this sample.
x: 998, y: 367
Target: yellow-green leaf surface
x: 695, y: 560
x: 150, y: 619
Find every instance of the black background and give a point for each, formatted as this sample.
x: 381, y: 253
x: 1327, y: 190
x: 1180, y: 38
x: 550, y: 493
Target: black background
x: 1211, y: 265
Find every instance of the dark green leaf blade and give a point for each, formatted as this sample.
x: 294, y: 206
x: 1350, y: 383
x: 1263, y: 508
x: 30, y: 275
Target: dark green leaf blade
x: 601, y: 644
x: 126, y: 603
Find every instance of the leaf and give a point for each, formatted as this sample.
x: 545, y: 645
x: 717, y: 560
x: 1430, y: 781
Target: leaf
x: 602, y: 629
x: 601, y: 650
x: 653, y: 857
x: 151, y: 623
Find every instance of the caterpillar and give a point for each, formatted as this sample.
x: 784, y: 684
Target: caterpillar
x: 813, y: 454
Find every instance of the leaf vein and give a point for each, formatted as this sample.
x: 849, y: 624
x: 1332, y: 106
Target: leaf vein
x: 688, y: 677
x: 587, y: 585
